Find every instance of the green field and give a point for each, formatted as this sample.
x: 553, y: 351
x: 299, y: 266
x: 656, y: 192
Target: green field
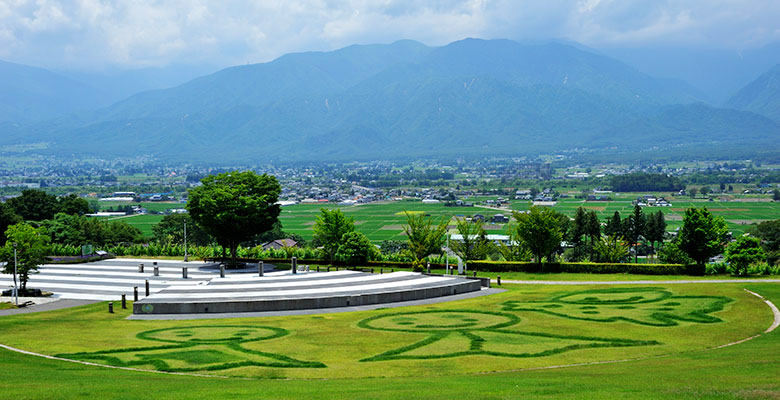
x: 660, y: 341
x: 384, y: 221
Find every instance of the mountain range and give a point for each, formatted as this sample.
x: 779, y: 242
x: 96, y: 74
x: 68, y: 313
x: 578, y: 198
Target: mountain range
x: 406, y: 100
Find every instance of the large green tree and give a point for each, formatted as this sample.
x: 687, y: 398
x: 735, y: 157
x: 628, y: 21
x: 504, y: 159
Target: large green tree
x: 769, y: 233
x: 7, y: 218
x: 329, y: 227
x: 31, y: 248
x: 73, y: 205
x: 424, y: 237
x: 474, y: 244
x: 356, y: 249
x: 234, y: 206
x: 35, y: 205
x: 702, y: 235
x: 744, y: 252
x: 540, y: 230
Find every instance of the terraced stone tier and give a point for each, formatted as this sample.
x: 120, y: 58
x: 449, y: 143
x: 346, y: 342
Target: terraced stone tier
x: 110, y: 279
x: 310, y: 290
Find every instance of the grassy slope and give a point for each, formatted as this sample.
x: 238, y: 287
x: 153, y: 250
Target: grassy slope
x: 746, y: 370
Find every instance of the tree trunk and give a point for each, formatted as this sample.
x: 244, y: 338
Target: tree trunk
x: 233, y: 252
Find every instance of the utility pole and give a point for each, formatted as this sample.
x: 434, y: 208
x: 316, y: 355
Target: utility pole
x: 16, y: 291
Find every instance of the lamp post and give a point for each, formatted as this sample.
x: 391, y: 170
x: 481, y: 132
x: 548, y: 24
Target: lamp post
x: 447, y: 255
x: 16, y: 292
x: 185, y: 241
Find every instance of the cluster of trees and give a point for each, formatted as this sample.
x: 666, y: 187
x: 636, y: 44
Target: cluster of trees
x: 641, y: 182
x: 78, y: 230
x: 37, y: 205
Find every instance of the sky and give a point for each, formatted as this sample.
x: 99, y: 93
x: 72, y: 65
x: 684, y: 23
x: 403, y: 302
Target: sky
x: 127, y: 34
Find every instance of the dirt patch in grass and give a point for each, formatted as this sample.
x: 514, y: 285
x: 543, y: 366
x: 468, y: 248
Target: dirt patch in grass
x: 391, y: 228
x: 594, y: 208
x: 746, y: 221
x: 716, y: 209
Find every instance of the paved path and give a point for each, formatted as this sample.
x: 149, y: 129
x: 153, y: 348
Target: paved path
x: 642, y: 282
x: 48, y: 306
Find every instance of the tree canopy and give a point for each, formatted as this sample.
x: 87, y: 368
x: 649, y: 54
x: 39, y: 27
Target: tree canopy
x: 540, y: 230
x: 35, y: 205
x: 234, y: 206
x: 702, y: 234
x: 474, y: 244
x: 7, y: 218
x: 356, y: 249
x: 32, y: 245
x: 424, y: 237
x: 769, y: 233
x: 744, y: 252
x: 329, y: 227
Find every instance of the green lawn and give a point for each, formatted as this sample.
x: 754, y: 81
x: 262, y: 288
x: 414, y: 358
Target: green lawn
x: 488, y: 347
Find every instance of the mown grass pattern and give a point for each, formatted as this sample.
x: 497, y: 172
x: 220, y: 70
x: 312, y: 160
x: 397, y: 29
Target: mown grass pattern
x: 199, y: 350
x: 650, y: 306
x: 473, y: 326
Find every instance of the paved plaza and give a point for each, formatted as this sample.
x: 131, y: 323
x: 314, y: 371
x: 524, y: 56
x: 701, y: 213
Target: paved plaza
x: 204, y: 290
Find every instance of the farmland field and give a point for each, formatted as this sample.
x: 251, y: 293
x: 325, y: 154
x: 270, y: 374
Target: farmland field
x: 384, y: 220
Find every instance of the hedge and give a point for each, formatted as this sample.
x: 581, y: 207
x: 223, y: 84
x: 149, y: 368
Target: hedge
x: 584, y: 267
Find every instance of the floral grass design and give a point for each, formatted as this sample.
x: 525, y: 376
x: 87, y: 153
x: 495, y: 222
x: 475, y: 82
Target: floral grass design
x: 199, y: 348
x: 648, y: 306
x: 458, y: 333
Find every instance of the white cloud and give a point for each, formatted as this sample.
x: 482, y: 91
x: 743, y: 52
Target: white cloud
x: 94, y: 33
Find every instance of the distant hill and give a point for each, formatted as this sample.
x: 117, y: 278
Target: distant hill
x: 30, y: 93
x: 762, y: 96
x: 407, y: 100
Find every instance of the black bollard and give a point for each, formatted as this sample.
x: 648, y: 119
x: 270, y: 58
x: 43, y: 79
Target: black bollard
x: 498, y: 280
x: 294, y: 265
x: 156, y: 270
x: 135, y: 293
x: 184, y: 272
x: 111, y: 307
x: 428, y: 267
x: 260, y: 268
x: 318, y: 268
x: 140, y: 268
x: 147, y: 288
x: 221, y: 271
x: 475, y: 274
x: 328, y: 270
x: 381, y: 271
x: 124, y: 301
